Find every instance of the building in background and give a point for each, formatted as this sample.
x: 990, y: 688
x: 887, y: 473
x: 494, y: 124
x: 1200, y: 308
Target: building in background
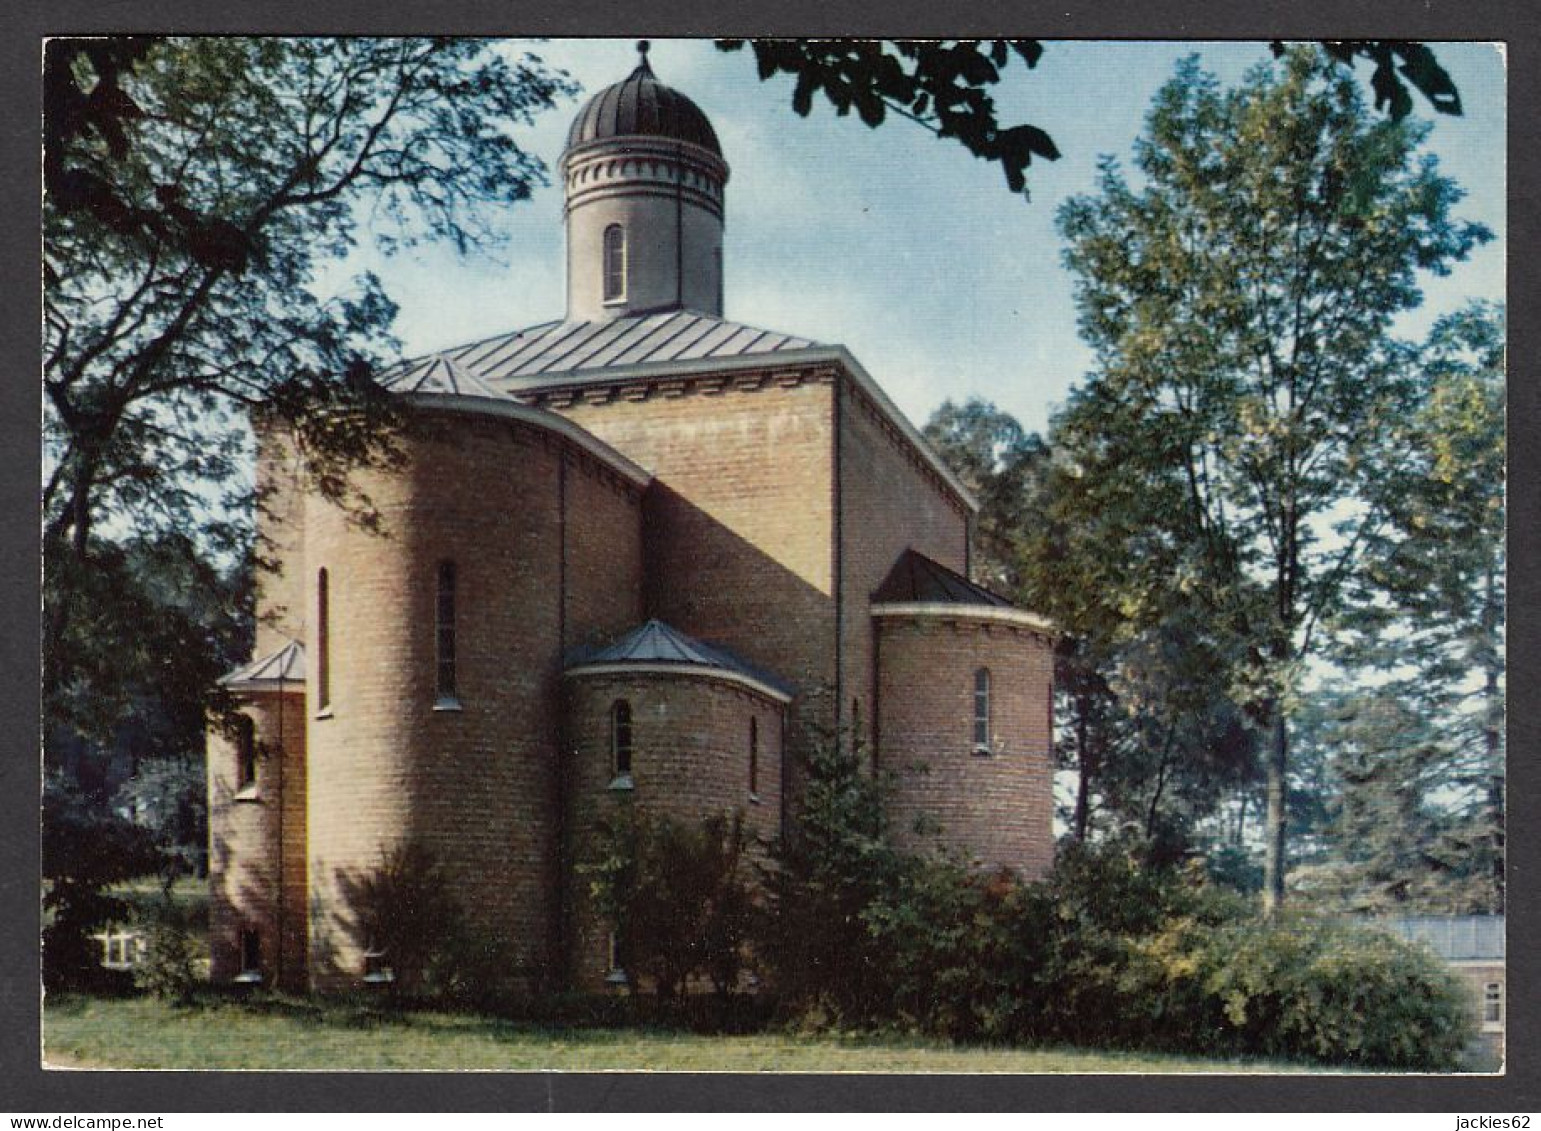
x: 1473, y: 947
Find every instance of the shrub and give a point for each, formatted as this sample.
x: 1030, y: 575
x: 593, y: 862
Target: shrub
x: 1112, y: 951
x: 678, y: 895
x: 833, y: 873
x: 1318, y: 990
x: 86, y: 850
x: 949, y: 945
x: 404, y: 910
x: 168, y: 968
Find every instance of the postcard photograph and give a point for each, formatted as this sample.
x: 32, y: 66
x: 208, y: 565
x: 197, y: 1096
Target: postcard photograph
x: 836, y: 556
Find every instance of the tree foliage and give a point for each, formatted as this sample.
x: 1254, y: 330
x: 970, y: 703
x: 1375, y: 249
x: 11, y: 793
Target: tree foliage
x: 831, y: 870
x: 1417, y: 738
x: 1239, y: 304
x: 678, y: 895
x: 1143, y: 713
x: 195, y: 190
x: 87, y: 848
x: 944, y: 85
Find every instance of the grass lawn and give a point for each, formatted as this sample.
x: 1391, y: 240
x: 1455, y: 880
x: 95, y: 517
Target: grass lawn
x: 275, y: 1034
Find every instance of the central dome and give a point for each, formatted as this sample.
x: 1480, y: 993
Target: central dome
x: 641, y: 106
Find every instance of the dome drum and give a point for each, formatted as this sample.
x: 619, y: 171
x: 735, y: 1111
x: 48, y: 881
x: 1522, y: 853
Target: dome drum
x: 647, y: 166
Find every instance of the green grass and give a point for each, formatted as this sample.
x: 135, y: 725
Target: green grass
x: 278, y: 1034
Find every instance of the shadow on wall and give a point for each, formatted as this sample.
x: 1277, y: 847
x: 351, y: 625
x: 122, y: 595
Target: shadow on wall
x: 413, y: 936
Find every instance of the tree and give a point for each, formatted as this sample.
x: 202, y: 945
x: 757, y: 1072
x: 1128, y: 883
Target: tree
x: 1421, y: 751
x: 86, y: 849
x: 194, y: 190
x: 943, y: 85
x: 1148, y: 731
x: 1000, y: 462
x: 1239, y: 303
x: 832, y: 872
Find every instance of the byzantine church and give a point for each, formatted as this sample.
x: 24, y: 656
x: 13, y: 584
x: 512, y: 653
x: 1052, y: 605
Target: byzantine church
x: 641, y: 554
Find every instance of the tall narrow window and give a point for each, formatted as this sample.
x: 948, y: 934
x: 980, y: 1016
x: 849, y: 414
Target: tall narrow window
x: 615, y: 263
x: 620, y: 737
x: 1493, y: 1003
x: 246, y: 752
x: 982, y: 711
x: 616, y: 973
x: 323, y: 644
x: 444, y: 635
x: 717, y: 257
x: 754, y: 757
x: 251, y: 956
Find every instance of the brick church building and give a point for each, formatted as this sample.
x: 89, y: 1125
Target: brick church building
x: 641, y: 552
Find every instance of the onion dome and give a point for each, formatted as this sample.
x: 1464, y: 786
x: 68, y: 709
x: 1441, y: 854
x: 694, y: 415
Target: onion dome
x: 641, y: 106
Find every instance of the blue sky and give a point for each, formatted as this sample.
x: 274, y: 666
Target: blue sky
x: 900, y: 246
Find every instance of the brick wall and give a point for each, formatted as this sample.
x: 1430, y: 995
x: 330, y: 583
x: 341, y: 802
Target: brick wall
x: 889, y: 502
x: 739, y: 520
x: 250, y: 834
x: 476, y: 785
x: 996, y: 808
x: 690, y: 760
x: 281, y: 541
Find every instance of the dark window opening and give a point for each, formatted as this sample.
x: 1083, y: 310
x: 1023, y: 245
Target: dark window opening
x: 620, y: 737
x: 615, y: 263
x: 444, y: 630
x: 1493, y: 1003
x: 754, y: 757
x: 323, y: 643
x: 246, y: 751
x: 251, y: 953
x: 982, y: 711
x: 377, y: 964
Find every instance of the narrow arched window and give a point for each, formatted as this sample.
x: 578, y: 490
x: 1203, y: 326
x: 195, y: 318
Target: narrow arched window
x: 620, y: 737
x: 251, y: 955
x: 323, y: 644
x: 444, y: 631
x: 246, y: 751
x: 754, y: 756
x: 615, y: 263
x: 982, y: 711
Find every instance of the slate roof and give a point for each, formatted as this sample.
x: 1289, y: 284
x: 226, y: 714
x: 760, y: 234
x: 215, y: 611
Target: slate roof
x: 640, y: 105
x: 915, y: 578
x: 658, y: 643
x: 553, y: 352
x: 286, y: 666
x: 1454, y: 938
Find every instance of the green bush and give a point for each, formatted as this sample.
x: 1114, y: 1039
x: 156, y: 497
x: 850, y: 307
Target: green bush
x: 1332, y: 992
x: 1111, y: 951
x: 168, y: 968
x: 678, y: 895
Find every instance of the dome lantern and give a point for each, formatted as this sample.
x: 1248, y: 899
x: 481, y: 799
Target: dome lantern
x: 644, y: 176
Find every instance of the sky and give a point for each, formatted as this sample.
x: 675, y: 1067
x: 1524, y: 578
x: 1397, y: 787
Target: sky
x: 903, y: 247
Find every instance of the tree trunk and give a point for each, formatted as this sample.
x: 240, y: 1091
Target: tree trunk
x: 1274, y: 860
x: 1083, y: 777
x: 1493, y: 707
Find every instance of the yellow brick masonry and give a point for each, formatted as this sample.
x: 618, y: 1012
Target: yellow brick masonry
x: 998, y: 808
x: 690, y: 759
